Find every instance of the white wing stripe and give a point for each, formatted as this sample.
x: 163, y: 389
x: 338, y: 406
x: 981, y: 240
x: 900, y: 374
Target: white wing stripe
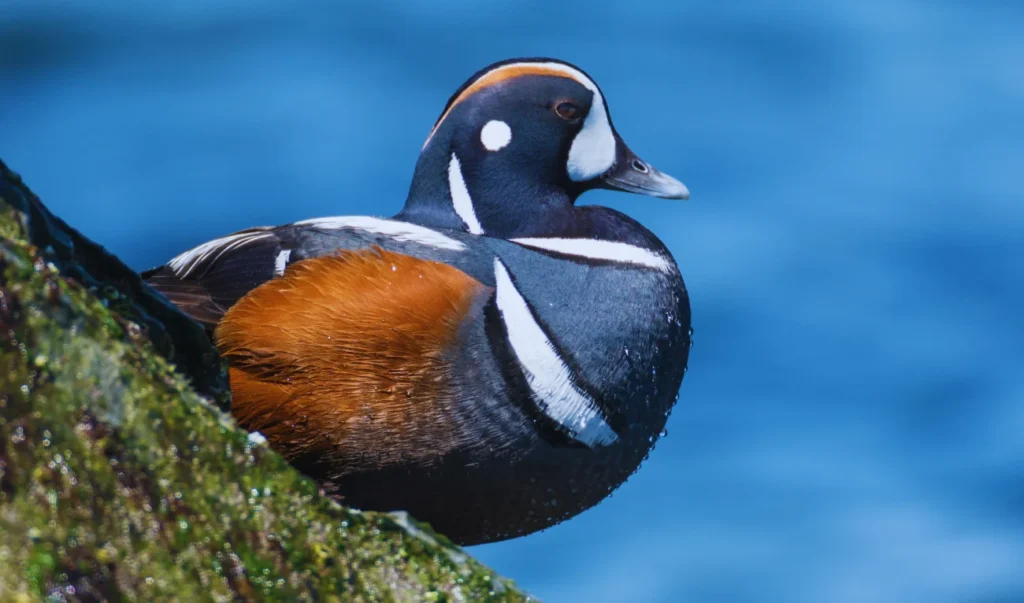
x: 396, y: 229
x: 185, y: 263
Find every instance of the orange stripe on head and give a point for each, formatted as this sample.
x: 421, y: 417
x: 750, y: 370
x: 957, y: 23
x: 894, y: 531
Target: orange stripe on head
x: 508, y: 71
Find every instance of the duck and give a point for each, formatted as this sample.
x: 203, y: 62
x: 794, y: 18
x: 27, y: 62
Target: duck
x: 493, y: 359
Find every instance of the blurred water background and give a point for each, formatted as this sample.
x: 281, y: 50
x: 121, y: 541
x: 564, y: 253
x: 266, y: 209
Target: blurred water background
x: 852, y: 425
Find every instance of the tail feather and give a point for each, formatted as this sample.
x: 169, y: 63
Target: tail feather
x: 188, y: 295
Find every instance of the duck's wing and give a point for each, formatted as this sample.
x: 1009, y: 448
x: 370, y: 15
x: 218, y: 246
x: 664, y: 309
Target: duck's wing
x: 206, y: 281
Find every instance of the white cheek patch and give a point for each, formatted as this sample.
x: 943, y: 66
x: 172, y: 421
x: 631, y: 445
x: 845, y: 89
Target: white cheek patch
x: 495, y: 135
x: 593, y: 150
x: 596, y: 249
x: 461, y: 200
x: 547, y: 375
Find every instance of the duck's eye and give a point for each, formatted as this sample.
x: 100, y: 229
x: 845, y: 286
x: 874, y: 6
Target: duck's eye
x: 567, y: 110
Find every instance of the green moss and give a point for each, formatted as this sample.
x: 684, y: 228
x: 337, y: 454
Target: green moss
x: 119, y: 482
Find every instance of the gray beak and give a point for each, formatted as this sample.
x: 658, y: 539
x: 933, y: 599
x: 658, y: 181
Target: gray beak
x: 634, y: 175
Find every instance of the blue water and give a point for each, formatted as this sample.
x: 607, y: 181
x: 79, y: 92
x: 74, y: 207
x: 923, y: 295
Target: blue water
x: 852, y: 425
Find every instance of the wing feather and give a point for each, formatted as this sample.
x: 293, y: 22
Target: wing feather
x: 204, y: 282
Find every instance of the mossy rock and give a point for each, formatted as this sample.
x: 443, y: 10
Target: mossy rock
x: 122, y: 480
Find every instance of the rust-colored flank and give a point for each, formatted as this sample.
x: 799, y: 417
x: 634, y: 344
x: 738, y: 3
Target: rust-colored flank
x: 344, y: 356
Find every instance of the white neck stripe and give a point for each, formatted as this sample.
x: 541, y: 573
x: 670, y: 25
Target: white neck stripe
x: 596, y: 249
x: 461, y: 200
x: 547, y: 375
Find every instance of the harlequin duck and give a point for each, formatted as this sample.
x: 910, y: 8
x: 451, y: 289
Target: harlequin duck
x: 492, y: 359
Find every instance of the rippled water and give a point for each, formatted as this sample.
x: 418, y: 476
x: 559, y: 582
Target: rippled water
x: 851, y: 426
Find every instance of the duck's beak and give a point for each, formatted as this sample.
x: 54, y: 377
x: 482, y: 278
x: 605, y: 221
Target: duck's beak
x: 634, y: 175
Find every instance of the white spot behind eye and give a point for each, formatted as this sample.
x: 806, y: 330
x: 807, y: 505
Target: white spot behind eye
x: 495, y: 135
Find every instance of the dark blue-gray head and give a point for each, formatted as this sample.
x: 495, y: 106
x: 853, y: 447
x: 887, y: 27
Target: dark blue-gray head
x: 515, y: 147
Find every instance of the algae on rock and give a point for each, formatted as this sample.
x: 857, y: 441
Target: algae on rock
x: 118, y: 481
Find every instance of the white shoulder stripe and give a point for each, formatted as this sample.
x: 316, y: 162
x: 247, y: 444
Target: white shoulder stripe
x: 546, y: 373
x: 185, y: 263
x: 613, y: 251
x: 398, y: 230
x: 460, y: 197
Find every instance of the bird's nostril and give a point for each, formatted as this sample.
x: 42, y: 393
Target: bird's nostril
x: 639, y: 166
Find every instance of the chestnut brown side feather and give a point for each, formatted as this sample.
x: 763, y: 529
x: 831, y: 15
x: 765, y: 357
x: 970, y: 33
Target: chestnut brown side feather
x: 344, y: 357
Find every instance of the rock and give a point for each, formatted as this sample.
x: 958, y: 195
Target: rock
x: 173, y: 335
x: 121, y: 479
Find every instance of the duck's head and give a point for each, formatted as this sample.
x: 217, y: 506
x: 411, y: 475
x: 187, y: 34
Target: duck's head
x: 515, y: 147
